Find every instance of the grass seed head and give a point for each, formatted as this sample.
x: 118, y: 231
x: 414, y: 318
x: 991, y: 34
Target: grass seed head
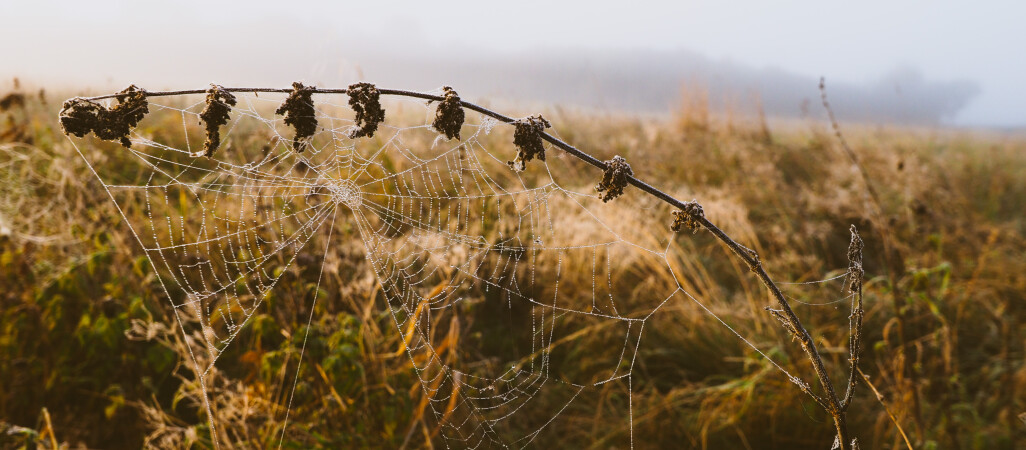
x: 298, y: 109
x: 527, y: 136
x: 614, y: 179
x: 79, y: 116
x: 215, y: 114
x: 365, y: 99
x: 449, y: 116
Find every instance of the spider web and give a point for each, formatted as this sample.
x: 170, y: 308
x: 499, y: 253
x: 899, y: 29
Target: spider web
x: 451, y: 232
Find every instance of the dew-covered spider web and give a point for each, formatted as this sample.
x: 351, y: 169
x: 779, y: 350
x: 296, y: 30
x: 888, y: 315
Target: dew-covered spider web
x: 551, y: 287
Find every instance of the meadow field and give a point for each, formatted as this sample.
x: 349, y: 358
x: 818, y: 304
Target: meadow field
x: 91, y: 354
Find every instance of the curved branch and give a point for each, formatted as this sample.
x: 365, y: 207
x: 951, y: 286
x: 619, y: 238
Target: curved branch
x: 832, y: 403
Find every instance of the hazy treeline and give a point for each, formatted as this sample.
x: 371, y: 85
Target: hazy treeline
x: 650, y: 81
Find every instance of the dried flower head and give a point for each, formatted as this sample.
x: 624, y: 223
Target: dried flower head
x: 449, y: 116
x: 614, y: 179
x: 365, y: 99
x: 215, y: 114
x: 79, y: 116
x: 855, y: 271
x: 688, y: 217
x: 298, y: 110
x: 527, y: 136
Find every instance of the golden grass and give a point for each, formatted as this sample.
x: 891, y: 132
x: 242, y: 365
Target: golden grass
x: 952, y: 375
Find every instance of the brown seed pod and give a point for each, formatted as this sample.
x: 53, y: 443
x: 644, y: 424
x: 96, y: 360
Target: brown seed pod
x: 614, y: 179
x: 688, y: 217
x: 216, y: 113
x: 365, y: 99
x: 449, y: 116
x: 528, y: 140
x: 79, y: 116
x: 299, y: 112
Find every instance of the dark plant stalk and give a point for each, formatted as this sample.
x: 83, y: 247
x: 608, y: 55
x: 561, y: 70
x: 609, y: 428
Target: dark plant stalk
x: 895, y: 260
x: 831, y: 403
x: 855, y: 276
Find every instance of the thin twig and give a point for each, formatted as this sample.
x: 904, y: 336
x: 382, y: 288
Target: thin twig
x: 892, y: 255
x: 847, y: 148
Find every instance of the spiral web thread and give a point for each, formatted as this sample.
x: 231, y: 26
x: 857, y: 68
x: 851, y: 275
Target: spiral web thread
x: 445, y: 225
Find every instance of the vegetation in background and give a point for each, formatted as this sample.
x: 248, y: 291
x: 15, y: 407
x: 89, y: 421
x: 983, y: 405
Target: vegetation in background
x: 86, y: 337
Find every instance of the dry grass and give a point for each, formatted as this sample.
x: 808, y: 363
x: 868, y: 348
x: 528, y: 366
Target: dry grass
x: 74, y: 285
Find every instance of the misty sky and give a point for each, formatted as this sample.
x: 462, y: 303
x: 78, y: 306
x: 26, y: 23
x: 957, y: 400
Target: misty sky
x: 184, y: 43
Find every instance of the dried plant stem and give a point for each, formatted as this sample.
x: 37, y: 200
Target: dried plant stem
x: 858, y: 312
x: 49, y: 429
x: 847, y: 148
x: 880, y: 398
x: 895, y: 260
x: 831, y: 403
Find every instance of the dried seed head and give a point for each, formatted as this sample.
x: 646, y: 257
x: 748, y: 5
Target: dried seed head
x: 449, y: 115
x: 12, y: 100
x: 80, y: 116
x: 688, y: 217
x: 614, y: 179
x: 528, y: 140
x: 215, y: 114
x: 298, y: 110
x: 855, y: 271
x: 365, y: 99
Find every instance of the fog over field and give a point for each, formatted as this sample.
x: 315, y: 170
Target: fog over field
x: 647, y: 81
x: 655, y: 81
x: 912, y: 62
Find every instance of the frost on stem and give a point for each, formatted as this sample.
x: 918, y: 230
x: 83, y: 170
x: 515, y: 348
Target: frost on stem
x: 298, y: 110
x: 215, y: 114
x: 79, y: 116
x: 527, y: 136
x: 365, y: 99
x: 688, y: 217
x: 614, y: 179
x: 779, y: 315
x: 449, y: 115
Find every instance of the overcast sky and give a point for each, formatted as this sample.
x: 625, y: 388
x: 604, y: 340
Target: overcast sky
x: 189, y: 42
